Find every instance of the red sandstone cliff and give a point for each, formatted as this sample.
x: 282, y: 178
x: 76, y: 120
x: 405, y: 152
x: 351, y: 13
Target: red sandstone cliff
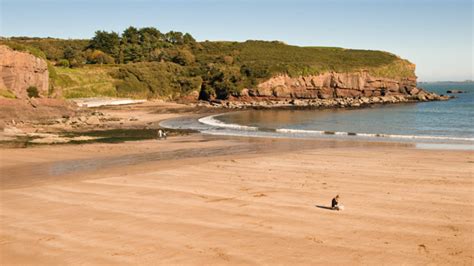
x: 332, y: 85
x: 328, y: 90
x: 20, y: 70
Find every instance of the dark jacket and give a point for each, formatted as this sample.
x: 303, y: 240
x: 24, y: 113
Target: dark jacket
x: 334, y: 203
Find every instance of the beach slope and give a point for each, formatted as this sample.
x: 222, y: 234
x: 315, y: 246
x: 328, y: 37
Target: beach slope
x: 213, y: 200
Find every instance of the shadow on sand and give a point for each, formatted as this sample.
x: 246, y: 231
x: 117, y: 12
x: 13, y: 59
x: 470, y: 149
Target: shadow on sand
x: 324, y: 207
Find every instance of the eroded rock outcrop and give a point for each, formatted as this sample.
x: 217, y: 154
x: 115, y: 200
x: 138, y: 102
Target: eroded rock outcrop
x: 329, y: 90
x: 20, y: 70
x: 351, y: 102
x: 333, y: 85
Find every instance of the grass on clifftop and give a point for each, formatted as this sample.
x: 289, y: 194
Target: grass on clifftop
x: 143, y: 63
x: 24, y: 48
x: 272, y: 58
x: 85, y: 82
x: 149, y: 79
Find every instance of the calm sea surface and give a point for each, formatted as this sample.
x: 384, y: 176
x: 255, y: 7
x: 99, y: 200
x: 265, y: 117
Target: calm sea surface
x: 431, y: 121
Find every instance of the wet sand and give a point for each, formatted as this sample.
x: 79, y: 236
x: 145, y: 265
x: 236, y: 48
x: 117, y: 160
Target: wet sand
x: 214, y: 200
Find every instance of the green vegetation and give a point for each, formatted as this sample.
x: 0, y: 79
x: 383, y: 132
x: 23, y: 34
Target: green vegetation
x: 87, y: 81
x: 398, y: 68
x: 52, y: 79
x: 147, y: 63
x: 142, y: 45
x: 32, y: 92
x: 4, y: 93
x: 50, y: 48
x: 150, y: 79
x: 63, y: 63
x: 24, y: 47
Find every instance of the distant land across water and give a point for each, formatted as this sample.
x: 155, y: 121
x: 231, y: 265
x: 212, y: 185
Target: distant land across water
x: 447, y: 82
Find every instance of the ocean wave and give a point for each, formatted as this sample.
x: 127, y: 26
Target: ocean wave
x: 371, y: 135
x: 212, y: 121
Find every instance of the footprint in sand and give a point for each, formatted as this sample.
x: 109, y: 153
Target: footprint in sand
x: 221, y: 254
x: 453, y: 228
x: 123, y: 253
x: 422, y: 248
x: 47, y: 238
x: 456, y: 252
x: 314, y: 239
x: 220, y: 199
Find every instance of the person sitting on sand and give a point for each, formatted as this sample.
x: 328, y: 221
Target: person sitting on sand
x: 335, y: 204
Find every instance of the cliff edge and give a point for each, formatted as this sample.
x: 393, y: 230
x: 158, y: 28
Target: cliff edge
x: 333, y: 85
x: 20, y: 70
x: 332, y: 89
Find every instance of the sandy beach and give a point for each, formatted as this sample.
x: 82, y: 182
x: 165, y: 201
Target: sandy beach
x: 198, y: 132
x: 198, y: 200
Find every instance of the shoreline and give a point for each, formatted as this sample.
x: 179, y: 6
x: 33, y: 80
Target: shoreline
x: 214, y: 126
x: 145, y: 117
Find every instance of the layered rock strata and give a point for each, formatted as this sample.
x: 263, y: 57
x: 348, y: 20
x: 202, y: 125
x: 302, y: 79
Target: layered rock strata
x: 330, y: 90
x: 20, y: 70
x: 333, y: 85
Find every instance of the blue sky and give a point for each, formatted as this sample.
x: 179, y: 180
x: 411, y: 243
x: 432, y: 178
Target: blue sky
x: 435, y: 35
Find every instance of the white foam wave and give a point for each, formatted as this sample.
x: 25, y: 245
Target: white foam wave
x: 211, y: 121
x: 372, y: 135
x: 299, y: 131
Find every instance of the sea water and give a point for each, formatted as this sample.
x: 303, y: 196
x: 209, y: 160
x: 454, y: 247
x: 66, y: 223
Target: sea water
x: 447, y: 122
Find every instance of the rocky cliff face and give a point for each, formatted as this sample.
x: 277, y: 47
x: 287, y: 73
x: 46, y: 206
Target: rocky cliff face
x: 329, y: 90
x: 332, y: 85
x: 20, y: 70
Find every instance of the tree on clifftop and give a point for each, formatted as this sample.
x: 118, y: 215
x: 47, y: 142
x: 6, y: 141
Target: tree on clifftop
x: 188, y: 39
x: 130, y: 36
x: 174, y: 37
x: 106, y: 42
x: 144, y: 45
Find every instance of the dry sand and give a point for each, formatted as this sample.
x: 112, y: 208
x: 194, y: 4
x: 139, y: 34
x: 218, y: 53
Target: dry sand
x: 208, y: 200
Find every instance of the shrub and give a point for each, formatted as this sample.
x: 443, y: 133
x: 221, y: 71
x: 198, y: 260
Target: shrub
x: 155, y: 79
x: 63, y: 63
x: 99, y: 57
x: 228, y: 60
x: 182, y: 57
x: 190, y: 84
x: 76, y: 62
x: 206, y: 93
x: 32, y: 92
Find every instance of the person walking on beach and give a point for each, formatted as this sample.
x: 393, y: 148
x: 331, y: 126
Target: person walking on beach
x: 160, y: 134
x: 335, y: 204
